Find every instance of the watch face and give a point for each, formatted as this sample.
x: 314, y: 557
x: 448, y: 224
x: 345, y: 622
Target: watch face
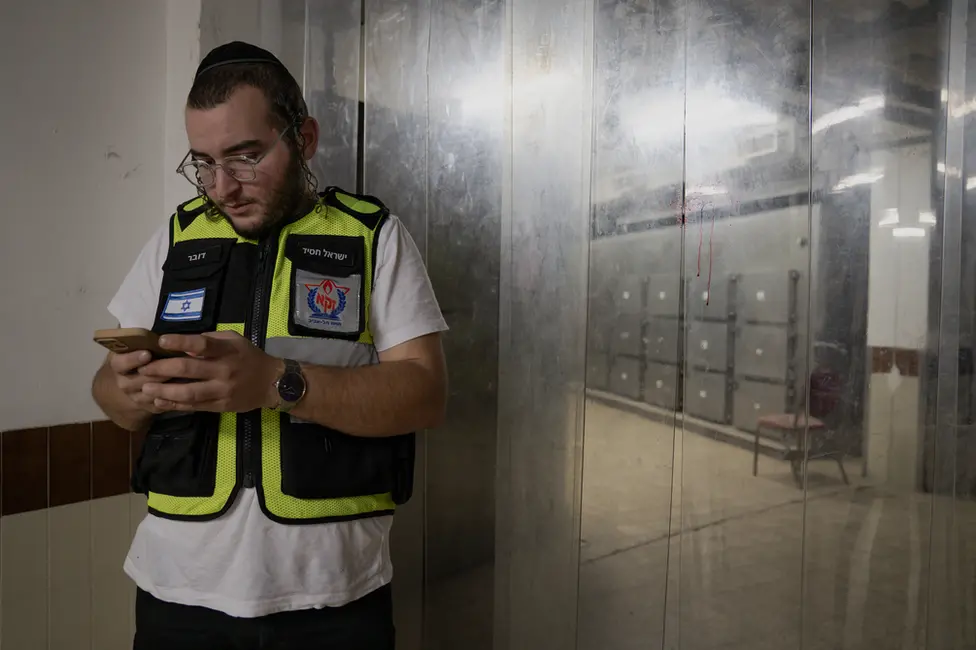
x: 291, y: 387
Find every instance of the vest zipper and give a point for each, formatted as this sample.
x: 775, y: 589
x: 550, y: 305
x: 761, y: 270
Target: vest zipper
x: 255, y: 331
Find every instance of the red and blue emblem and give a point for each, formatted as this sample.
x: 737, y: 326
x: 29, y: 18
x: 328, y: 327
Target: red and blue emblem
x: 326, y: 300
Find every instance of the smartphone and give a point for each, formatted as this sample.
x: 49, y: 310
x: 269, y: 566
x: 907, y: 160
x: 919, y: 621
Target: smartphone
x: 132, y: 339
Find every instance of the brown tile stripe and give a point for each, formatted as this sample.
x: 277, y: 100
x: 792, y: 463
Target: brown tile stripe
x: 110, y: 450
x: 68, y: 463
x: 906, y: 360
x: 23, y: 470
x: 71, y: 463
x: 70, y: 453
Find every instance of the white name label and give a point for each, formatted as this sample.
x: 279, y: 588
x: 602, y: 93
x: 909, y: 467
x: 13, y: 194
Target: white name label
x: 325, y: 254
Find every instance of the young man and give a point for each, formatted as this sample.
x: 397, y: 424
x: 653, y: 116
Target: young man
x: 280, y: 438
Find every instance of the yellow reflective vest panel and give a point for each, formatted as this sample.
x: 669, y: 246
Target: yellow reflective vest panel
x: 302, y: 293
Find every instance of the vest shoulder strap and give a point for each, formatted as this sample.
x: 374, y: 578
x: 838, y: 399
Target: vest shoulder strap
x: 187, y: 211
x: 368, y: 210
x: 194, y: 220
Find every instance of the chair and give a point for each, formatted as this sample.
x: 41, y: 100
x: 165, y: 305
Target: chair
x: 822, y: 392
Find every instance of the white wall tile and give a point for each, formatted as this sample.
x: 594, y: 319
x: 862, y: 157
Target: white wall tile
x: 893, y: 431
x: 878, y: 417
x: 111, y: 588
x: 880, y: 403
x: 906, y: 437
x: 24, y: 556
x: 70, y: 593
x: 137, y: 512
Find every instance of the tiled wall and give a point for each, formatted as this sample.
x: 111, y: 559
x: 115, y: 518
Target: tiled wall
x: 898, y: 285
x: 70, y: 463
x: 114, y: 121
x: 906, y: 360
x: 67, y: 521
x: 67, y: 515
x: 893, y: 438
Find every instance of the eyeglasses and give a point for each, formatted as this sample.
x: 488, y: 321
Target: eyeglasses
x: 241, y: 168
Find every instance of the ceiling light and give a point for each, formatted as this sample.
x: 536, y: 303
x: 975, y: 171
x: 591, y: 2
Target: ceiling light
x: 864, y: 178
x: 890, y: 217
x: 847, y: 113
x: 911, y: 233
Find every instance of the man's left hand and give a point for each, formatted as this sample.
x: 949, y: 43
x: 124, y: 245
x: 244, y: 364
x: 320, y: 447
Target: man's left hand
x: 228, y: 374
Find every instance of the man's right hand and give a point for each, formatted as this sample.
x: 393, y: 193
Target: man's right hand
x: 125, y: 371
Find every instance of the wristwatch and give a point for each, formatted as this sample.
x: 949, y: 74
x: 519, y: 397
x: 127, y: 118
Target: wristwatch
x: 291, y: 386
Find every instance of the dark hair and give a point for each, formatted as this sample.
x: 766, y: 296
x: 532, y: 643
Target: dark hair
x: 287, y: 104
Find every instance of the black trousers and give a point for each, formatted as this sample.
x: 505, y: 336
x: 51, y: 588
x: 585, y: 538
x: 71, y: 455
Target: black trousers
x: 366, y: 624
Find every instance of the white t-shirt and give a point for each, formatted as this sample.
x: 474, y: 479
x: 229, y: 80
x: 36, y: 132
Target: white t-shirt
x: 243, y: 563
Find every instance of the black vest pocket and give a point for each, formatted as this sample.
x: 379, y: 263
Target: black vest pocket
x: 320, y: 463
x: 179, y: 456
x: 193, y: 279
x: 405, y: 453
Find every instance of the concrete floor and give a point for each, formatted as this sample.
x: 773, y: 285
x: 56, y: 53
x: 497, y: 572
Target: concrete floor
x: 754, y: 562
x: 728, y: 561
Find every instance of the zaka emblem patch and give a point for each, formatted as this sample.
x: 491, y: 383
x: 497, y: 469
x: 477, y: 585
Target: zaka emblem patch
x: 328, y: 304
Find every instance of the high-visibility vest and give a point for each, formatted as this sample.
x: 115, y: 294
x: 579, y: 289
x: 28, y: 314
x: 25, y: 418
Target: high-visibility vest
x: 302, y: 293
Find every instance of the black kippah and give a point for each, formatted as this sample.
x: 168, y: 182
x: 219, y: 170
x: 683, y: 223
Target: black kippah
x: 236, y: 52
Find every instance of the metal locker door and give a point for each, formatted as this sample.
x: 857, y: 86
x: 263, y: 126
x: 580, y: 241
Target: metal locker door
x: 660, y: 385
x: 599, y: 281
x: 765, y: 297
x: 761, y: 351
x: 753, y: 400
x: 600, y: 322
x: 708, y: 346
x: 705, y: 395
x: 626, y: 337
x: 662, y: 339
x: 600, y: 319
x: 663, y: 291
x: 625, y: 377
x: 706, y: 302
x: 627, y: 295
x: 597, y: 371
x: 598, y: 338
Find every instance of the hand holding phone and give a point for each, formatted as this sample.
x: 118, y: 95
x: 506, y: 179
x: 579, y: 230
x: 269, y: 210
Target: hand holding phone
x: 132, y: 339
x: 134, y: 348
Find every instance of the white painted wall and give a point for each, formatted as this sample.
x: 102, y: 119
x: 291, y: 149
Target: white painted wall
x: 898, y: 309
x: 899, y: 272
x: 88, y: 131
x: 182, y: 58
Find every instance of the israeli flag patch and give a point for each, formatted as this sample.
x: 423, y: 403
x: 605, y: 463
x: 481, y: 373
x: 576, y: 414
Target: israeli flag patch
x: 184, y: 305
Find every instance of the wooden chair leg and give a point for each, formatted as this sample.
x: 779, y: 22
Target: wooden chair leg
x: 796, y: 469
x: 843, y: 472
x: 800, y: 464
x: 755, y: 453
